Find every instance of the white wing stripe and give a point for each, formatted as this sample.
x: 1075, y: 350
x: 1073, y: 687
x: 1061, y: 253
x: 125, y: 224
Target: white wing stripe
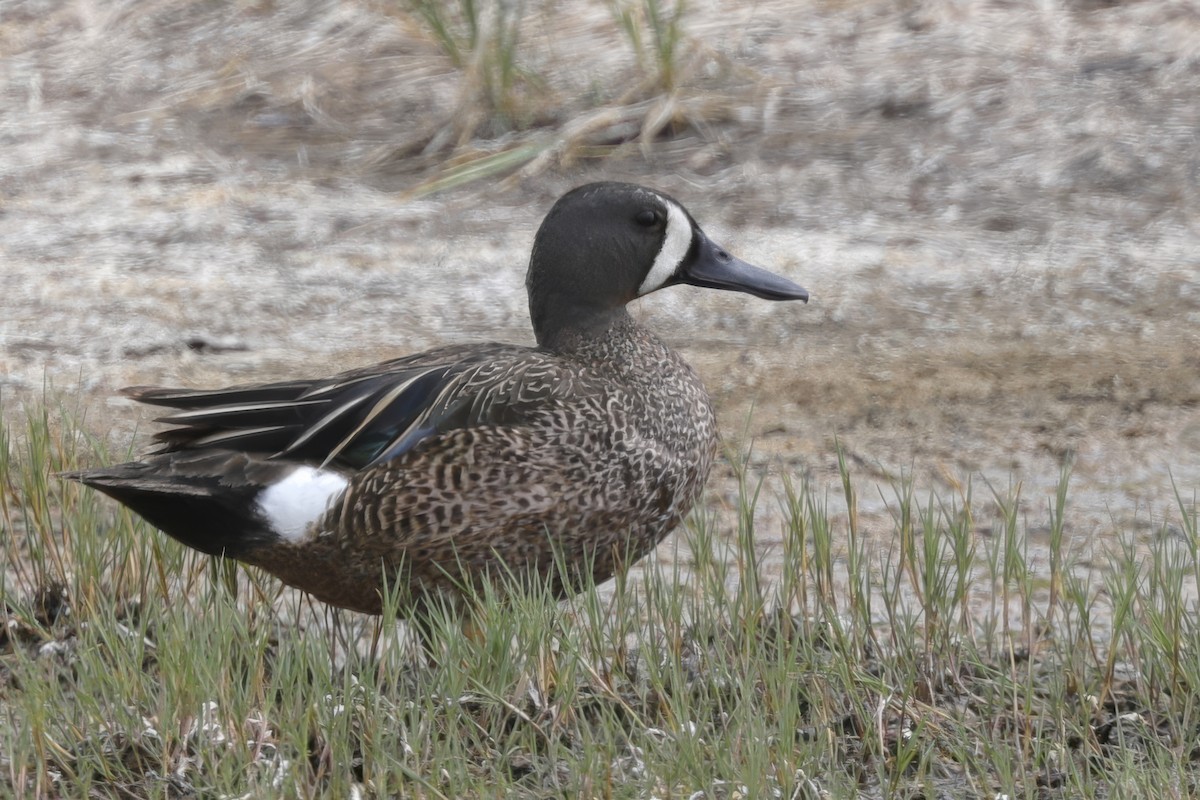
x: 216, y: 412
x: 323, y: 423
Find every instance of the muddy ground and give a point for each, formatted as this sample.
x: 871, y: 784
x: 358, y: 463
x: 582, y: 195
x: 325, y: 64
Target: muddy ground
x: 995, y: 206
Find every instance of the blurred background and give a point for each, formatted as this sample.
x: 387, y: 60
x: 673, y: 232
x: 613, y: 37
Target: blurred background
x: 994, y: 204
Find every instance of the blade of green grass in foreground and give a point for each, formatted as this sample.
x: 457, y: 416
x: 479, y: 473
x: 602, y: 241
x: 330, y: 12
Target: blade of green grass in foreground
x: 937, y: 664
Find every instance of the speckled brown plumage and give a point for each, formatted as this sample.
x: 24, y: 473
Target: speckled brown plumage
x: 601, y: 468
x: 434, y: 471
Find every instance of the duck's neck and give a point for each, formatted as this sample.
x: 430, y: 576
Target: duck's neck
x: 570, y: 333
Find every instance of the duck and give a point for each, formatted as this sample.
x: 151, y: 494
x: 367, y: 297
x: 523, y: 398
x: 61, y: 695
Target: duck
x: 429, y: 474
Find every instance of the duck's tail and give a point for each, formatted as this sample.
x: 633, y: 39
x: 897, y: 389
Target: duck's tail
x: 220, y: 503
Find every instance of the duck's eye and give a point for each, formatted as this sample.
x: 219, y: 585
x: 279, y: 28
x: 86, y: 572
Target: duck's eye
x: 647, y: 218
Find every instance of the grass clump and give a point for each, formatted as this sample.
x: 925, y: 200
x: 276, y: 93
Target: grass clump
x: 942, y: 664
x: 482, y: 39
x: 509, y: 119
x: 654, y: 30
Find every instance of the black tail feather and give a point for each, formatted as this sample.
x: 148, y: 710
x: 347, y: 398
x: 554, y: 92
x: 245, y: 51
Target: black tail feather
x: 211, y: 398
x: 210, y: 510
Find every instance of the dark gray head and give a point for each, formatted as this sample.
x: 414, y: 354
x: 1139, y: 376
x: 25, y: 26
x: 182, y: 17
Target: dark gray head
x: 605, y: 244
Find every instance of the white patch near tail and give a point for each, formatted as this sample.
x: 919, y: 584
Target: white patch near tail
x: 296, y: 502
x: 677, y: 240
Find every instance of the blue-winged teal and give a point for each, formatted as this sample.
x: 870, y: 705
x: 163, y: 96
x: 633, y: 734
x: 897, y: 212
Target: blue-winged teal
x: 434, y: 469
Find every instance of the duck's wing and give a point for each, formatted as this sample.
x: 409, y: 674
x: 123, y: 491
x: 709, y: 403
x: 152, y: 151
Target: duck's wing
x: 363, y: 417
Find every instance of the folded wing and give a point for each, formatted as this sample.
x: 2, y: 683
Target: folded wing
x: 363, y: 417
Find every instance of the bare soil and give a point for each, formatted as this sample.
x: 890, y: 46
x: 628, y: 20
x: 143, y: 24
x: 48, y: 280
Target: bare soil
x: 995, y: 206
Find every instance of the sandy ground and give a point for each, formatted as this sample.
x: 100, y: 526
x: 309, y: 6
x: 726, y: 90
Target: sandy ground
x: 995, y: 206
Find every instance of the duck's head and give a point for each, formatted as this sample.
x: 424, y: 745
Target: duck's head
x: 605, y: 244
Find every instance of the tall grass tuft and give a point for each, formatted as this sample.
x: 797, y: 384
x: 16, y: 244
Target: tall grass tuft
x: 482, y: 38
x: 654, y: 30
x: 506, y: 121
